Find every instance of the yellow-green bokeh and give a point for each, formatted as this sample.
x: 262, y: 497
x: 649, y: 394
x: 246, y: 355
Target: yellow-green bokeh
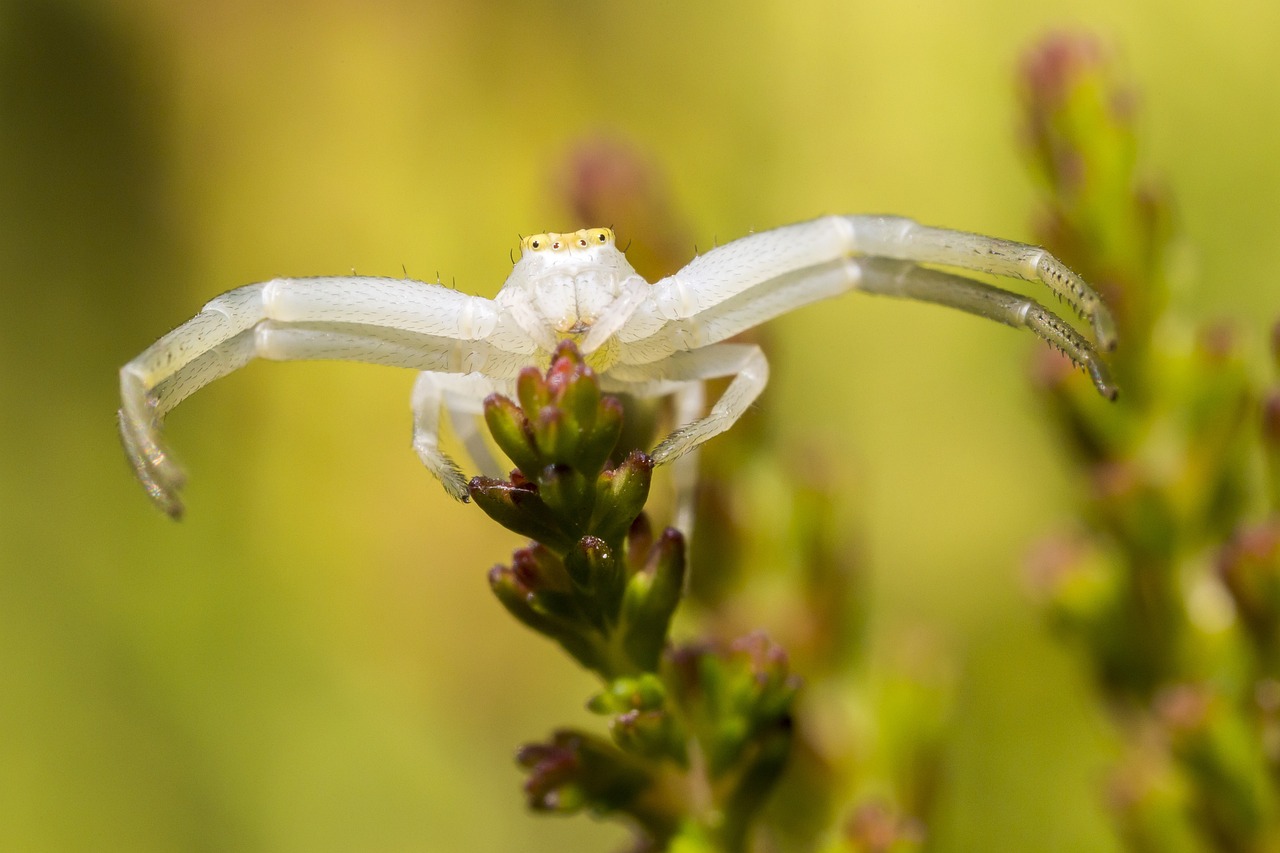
x: 312, y: 661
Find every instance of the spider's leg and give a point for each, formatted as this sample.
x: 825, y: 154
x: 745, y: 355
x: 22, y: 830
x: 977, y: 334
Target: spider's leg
x: 421, y: 324
x: 143, y: 409
x: 412, y: 306
x: 907, y: 240
x: 905, y: 279
x: 447, y: 367
x: 470, y: 433
x: 465, y: 406
x: 737, y: 267
x: 288, y: 342
x: 755, y: 263
x: 875, y: 275
x: 427, y: 400
x: 690, y: 402
x: 202, y: 340
x: 738, y: 313
x: 744, y: 362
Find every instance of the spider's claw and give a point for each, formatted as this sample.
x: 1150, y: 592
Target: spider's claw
x: 662, y: 453
x: 453, y: 480
x: 1104, y: 328
x: 1101, y: 377
x: 168, y: 501
x: 153, y: 465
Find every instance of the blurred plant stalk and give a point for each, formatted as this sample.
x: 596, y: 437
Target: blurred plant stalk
x: 1170, y: 586
x: 698, y: 734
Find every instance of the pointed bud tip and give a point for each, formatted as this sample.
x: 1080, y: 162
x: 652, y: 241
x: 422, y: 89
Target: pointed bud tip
x: 671, y: 538
x: 1052, y: 67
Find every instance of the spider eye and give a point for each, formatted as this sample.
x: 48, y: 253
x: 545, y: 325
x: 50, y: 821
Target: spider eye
x: 535, y: 242
x: 582, y: 241
x: 602, y: 237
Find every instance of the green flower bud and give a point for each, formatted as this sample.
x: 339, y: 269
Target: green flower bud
x: 1217, y: 749
x: 511, y: 431
x: 531, y: 390
x: 517, y: 598
x: 638, y: 542
x: 651, y: 734
x: 650, y: 600
x: 1249, y: 566
x: 643, y: 692
x: 539, y: 569
x: 577, y: 392
x: 569, y: 496
x: 580, y: 771
x: 597, y: 443
x: 731, y: 697
x: 519, y: 509
x: 591, y: 564
x: 623, y: 492
x: 552, y: 436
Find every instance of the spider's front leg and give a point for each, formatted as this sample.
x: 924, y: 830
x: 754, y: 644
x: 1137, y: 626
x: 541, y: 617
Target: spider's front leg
x: 395, y: 322
x: 690, y: 402
x: 907, y: 240
x: 758, y: 262
x: 744, y: 362
x: 906, y: 280
x: 682, y: 375
x: 462, y: 396
x: 762, y: 276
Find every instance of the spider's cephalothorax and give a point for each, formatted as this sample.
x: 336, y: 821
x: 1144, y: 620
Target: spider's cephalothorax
x: 564, y: 284
x: 646, y: 340
x: 568, y: 279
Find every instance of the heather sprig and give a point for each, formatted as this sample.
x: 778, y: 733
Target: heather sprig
x: 697, y: 734
x: 1170, y: 589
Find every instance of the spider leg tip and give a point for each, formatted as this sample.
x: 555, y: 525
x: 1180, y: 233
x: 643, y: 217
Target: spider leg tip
x: 1104, y: 331
x: 170, y: 504
x: 1102, y: 381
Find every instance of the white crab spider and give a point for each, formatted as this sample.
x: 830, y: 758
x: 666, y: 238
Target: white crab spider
x: 646, y: 340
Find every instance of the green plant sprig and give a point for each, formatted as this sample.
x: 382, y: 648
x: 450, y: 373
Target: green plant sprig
x: 698, y: 734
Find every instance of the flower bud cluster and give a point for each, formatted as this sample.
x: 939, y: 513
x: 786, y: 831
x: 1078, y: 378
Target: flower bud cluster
x: 595, y: 579
x: 714, y: 718
x: 602, y: 584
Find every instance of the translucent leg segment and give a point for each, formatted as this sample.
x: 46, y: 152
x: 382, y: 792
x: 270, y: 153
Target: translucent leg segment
x: 427, y: 400
x: 906, y: 280
x: 759, y: 263
x: 905, y: 239
x: 745, y: 363
x: 690, y: 402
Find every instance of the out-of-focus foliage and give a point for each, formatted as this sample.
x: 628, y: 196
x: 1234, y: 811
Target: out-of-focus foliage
x: 1171, y: 589
x: 306, y: 663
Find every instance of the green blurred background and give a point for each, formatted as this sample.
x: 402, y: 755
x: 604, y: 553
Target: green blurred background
x: 312, y: 660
